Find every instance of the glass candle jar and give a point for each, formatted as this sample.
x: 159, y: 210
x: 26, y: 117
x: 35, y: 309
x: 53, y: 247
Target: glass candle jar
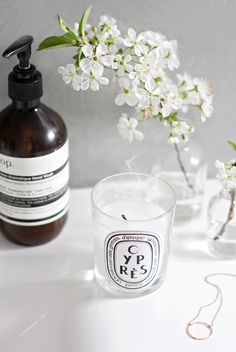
x: 132, y: 219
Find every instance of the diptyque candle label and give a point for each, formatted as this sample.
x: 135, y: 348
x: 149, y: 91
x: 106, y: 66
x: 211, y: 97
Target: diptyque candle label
x: 132, y: 258
x: 34, y: 191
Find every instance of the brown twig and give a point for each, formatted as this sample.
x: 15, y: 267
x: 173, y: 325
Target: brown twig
x: 229, y: 216
x: 183, y: 168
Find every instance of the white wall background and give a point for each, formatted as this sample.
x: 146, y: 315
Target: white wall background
x: 206, y: 32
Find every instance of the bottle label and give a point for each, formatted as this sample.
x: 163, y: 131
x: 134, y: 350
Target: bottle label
x: 132, y: 259
x: 34, y: 191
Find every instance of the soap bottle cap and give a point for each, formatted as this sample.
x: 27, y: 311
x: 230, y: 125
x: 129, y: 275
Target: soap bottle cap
x: 24, y: 82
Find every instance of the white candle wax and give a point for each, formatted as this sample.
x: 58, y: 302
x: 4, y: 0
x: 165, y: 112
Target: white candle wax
x: 133, y: 210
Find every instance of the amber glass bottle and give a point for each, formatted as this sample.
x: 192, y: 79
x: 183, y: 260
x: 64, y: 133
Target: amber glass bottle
x: 34, y: 167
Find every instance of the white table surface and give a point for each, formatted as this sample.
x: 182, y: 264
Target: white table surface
x: 49, y: 301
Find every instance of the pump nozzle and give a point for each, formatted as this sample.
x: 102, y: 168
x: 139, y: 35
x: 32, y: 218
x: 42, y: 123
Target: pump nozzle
x: 25, y: 81
x: 21, y: 47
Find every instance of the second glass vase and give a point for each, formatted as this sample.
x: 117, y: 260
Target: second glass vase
x: 222, y: 224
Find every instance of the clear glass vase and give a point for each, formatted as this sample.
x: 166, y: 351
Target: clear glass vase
x: 222, y: 224
x: 183, y: 167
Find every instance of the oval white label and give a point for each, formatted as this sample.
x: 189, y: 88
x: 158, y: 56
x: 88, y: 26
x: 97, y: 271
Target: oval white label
x: 132, y: 258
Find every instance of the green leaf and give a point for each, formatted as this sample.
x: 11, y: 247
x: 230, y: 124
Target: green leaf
x: 83, y: 21
x: 64, y: 26
x: 71, y: 36
x: 68, y: 39
x: 232, y: 144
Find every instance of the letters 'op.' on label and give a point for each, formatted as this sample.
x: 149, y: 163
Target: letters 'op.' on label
x: 34, y: 191
x: 132, y: 259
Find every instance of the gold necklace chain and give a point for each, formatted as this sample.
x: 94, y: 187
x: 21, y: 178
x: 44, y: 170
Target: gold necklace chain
x: 219, y: 296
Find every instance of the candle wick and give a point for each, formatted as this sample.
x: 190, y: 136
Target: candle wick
x: 123, y: 217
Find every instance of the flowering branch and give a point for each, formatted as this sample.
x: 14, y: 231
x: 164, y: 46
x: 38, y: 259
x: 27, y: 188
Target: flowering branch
x: 226, y: 173
x: 140, y: 63
x: 229, y: 216
x: 183, y: 168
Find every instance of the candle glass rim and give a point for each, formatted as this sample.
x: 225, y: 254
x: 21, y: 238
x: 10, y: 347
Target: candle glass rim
x: 165, y: 212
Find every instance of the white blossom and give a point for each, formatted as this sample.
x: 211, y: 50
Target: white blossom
x: 226, y: 173
x: 149, y: 99
x: 206, y: 97
x: 108, y: 30
x: 186, y: 82
x: 167, y: 52
x: 147, y: 68
x: 173, y: 139
x: 150, y: 108
x: 122, y: 63
x: 202, y: 87
x: 94, y: 79
x: 69, y: 75
x: 77, y: 81
x: 196, y: 92
x: 89, y: 31
x: 152, y: 39
x: 135, y: 42
x: 98, y: 55
x: 128, y: 128
x: 179, y: 130
x: 126, y: 94
x: 170, y: 102
x: 207, y: 108
x: 107, y: 21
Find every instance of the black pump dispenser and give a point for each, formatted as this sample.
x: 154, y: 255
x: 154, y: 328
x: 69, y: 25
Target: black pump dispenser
x: 24, y: 82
